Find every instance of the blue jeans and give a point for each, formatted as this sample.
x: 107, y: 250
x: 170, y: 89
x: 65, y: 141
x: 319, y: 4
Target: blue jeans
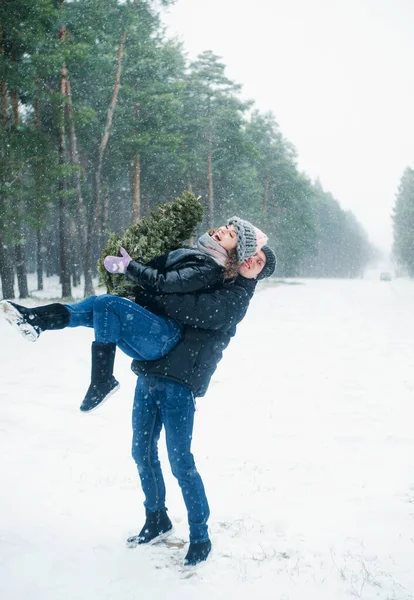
x: 161, y: 402
x: 136, y: 331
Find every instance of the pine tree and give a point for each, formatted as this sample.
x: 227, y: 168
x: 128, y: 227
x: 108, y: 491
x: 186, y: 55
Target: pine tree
x: 168, y: 227
x: 212, y: 128
x: 403, y: 221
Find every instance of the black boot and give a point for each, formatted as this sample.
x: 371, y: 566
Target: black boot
x: 197, y: 553
x: 156, y: 526
x: 103, y: 383
x: 30, y: 322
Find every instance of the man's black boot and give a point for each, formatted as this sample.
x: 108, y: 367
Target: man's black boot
x: 103, y: 383
x: 157, y: 525
x: 30, y: 322
x: 197, y: 553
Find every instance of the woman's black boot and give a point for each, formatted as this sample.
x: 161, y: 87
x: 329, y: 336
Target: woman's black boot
x: 103, y: 383
x: 30, y: 322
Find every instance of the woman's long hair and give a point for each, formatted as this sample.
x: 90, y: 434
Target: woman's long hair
x: 231, y: 268
x: 232, y: 265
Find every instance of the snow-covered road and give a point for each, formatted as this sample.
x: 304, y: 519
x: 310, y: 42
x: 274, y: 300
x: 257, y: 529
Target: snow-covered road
x: 305, y: 442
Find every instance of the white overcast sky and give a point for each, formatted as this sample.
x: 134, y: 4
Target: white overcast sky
x: 338, y: 76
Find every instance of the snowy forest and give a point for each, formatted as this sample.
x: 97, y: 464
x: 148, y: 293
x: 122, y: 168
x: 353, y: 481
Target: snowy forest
x: 403, y: 221
x: 102, y: 118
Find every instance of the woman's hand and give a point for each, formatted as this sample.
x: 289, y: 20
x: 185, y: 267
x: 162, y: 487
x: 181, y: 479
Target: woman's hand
x: 117, y: 264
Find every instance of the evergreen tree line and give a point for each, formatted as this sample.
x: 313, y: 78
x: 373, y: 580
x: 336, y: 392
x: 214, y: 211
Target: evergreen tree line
x: 102, y: 118
x: 403, y: 221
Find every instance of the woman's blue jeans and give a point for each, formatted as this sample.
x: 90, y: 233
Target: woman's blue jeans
x: 136, y: 331
x: 159, y: 402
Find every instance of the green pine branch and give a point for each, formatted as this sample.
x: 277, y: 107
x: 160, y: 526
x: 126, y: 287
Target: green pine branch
x: 168, y: 228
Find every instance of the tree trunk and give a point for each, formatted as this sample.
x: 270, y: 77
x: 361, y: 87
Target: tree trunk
x: 6, y: 271
x: 64, y: 232
x: 90, y: 221
x: 7, y: 278
x: 63, y: 246
x: 80, y: 208
x: 87, y: 218
x: 6, y: 261
x: 51, y: 258
x: 39, y: 247
x: 136, y: 202
x: 104, y: 141
x: 136, y: 178
x: 76, y: 261
x: 39, y: 259
x: 19, y: 249
x: 21, y: 270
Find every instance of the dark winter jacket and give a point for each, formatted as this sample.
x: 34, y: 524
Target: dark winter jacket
x: 177, y: 272
x: 210, y: 319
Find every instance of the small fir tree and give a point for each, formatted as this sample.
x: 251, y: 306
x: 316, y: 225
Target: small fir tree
x: 168, y: 228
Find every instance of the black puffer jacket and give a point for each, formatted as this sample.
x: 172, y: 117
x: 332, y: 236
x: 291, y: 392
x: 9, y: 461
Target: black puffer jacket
x: 210, y: 319
x: 177, y: 272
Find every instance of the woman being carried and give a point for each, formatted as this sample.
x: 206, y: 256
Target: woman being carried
x: 120, y: 322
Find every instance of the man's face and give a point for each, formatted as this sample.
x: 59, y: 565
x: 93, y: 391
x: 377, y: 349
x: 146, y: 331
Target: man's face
x: 253, y: 266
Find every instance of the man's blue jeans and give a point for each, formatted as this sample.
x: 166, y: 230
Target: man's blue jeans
x: 136, y: 331
x: 159, y: 402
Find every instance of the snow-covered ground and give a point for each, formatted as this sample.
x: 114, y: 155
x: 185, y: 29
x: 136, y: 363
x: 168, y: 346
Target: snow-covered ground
x: 305, y: 442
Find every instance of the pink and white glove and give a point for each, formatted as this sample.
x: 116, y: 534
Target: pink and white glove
x: 117, y: 264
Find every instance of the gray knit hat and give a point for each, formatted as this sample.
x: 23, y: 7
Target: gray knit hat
x: 270, y: 265
x: 246, y: 238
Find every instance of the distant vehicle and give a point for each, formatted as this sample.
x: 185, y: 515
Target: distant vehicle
x: 385, y: 276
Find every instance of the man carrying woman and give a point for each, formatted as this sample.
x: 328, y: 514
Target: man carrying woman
x: 188, y: 303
